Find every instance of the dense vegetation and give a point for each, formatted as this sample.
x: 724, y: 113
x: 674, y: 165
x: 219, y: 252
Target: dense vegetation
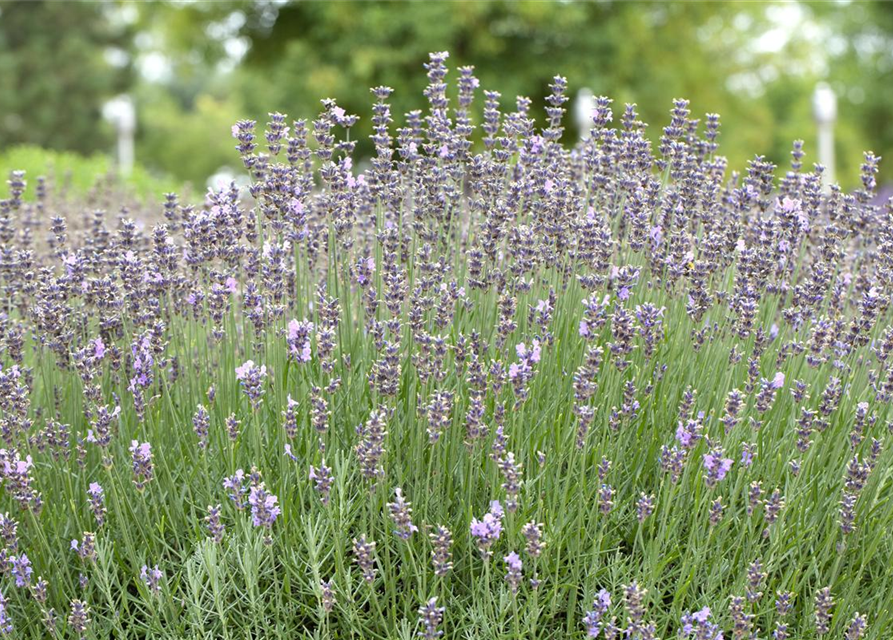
x: 529, y: 391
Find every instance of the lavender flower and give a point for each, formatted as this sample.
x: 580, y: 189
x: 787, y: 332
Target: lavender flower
x: 698, y: 624
x: 290, y: 418
x: 672, y: 461
x: 823, y: 604
x: 235, y: 488
x: 533, y: 532
x: 322, y: 479
x: 299, y: 340
x: 9, y: 531
x: 215, y: 527
x: 772, y: 507
x: 486, y: 531
x: 243, y: 131
x: 689, y: 434
x: 141, y: 455
x: 100, y: 433
x: 201, y: 422
x: 6, y: 627
x: 857, y: 627
x: 747, y: 454
x: 319, y: 412
x: 521, y: 373
x: 152, y: 578
x: 401, y: 514
x: 86, y: 548
x: 511, y: 471
x: 50, y: 620
x: 441, y: 556
x: 633, y: 598
x: 439, y: 415
x: 251, y: 377
x: 431, y: 617
x: 593, y: 618
x: 20, y: 567
x: 18, y: 480
x: 79, y: 618
x: 39, y: 590
x: 232, y: 427
x: 781, y: 630
x: 97, y: 502
x: 527, y: 358
x: 716, y: 466
x: 370, y: 449
x: 264, y: 509
x: 741, y: 620
x: 644, y: 506
x: 513, y: 571
x: 755, y: 577
x: 327, y: 595
x: 783, y: 602
x: 716, y: 511
x: 363, y: 553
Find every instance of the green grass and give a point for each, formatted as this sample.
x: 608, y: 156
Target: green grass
x: 78, y: 175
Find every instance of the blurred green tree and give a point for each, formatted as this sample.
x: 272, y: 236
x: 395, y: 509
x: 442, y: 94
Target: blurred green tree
x: 859, y: 42
x: 59, y: 62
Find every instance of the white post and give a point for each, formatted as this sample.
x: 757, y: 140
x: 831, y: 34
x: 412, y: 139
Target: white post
x: 824, y: 108
x: 121, y: 112
x: 584, y: 107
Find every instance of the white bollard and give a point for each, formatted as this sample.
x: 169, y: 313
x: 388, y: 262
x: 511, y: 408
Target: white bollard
x: 122, y: 113
x: 584, y: 107
x: 824, y: 109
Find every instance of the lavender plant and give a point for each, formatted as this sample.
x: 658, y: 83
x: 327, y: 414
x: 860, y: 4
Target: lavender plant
x: 575, y: 369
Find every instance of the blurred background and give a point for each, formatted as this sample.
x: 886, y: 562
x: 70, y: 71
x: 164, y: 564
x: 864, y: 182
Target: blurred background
x: 78, y: 80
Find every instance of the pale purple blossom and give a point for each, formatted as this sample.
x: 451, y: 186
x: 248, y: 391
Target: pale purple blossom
x: 252, y: 380
x: 593, y: 618
x: 699, y: 625
x: 322, y: 479
x: 513, y: 566
x: 152, y: 578
x: 401, y: 514
x: 236, y: 488
x: 20, y: 567
x: 487, y: 530
x: 716, y: 466
x: 141, y: 457
x: 264, y: 509
x: 299, y: 340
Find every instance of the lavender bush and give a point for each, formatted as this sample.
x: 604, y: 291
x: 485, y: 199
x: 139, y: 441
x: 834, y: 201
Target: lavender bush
x: 617, y: 391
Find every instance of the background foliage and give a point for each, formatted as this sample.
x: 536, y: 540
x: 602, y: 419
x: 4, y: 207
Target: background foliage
x: 194, y: 68
x: 72, y: 172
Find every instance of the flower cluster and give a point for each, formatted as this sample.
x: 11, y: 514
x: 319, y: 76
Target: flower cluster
x: 143, y: 468
x: 487, y: 530
x: 264, y: 509
x: 252, y: 377
x: 152, y: 578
